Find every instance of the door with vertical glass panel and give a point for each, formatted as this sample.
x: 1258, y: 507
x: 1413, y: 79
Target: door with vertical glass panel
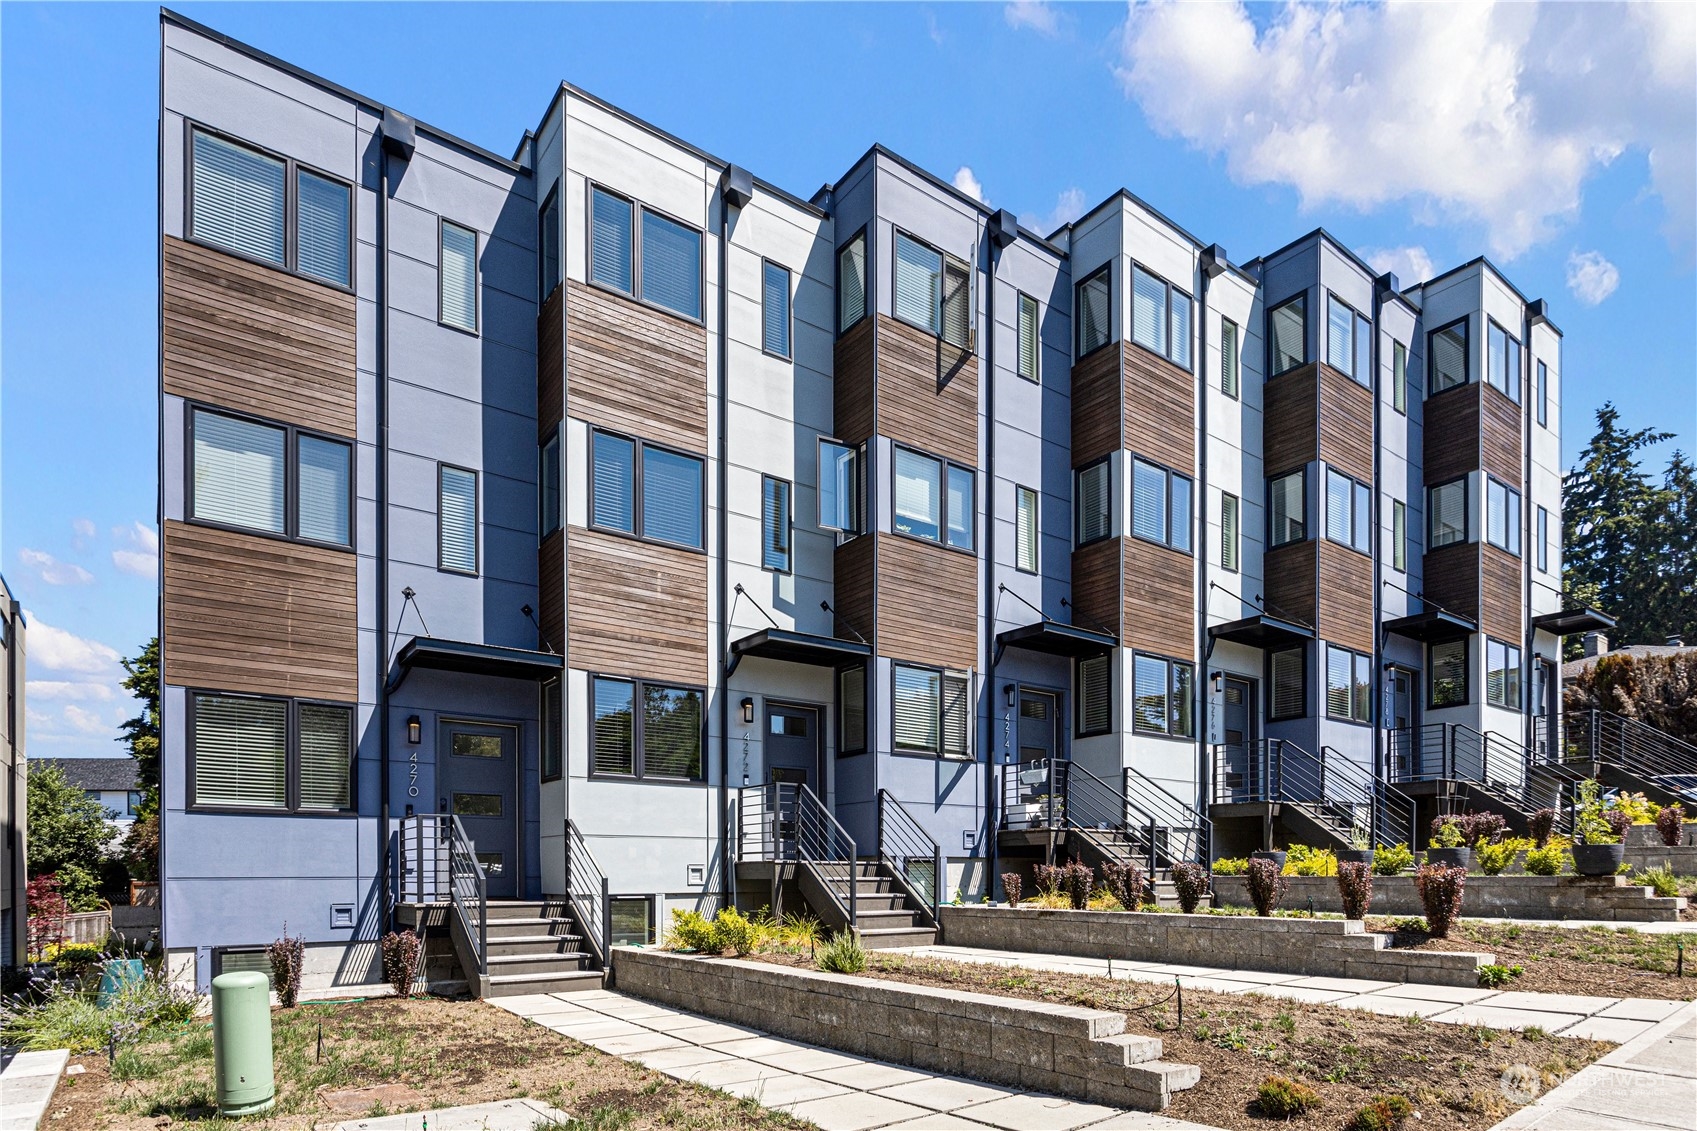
x: 478, y: 768
x: 1239, y: 730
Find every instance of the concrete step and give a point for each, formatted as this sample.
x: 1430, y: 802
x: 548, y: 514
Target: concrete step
x: 536, y: 963
x: 509, y: 985
x: 883, y: 938
x: 889, y: 918
x: 506, y: 928
x: 525, y: 909
x: 873, y: 900
x: 535, y: 944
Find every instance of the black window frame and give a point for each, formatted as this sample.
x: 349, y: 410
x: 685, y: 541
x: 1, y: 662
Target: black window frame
x: 1168, y: 475
x: 1273, y: 685
x: 1432, y: 389
x: 1514, y: 350
x: 543, y: 230
x: 291, y: 478
x: 1036, y: 308
x: 1359, y: 524
x: 1078, y: 473
x: 1542, y: 534
x: 639, y: 447
x: 475, y: 330
x: 647, y: 902
x: 945, y: 261
x: 1036, y: 529
x: 1465, y: 692
x: 858, y: 479
x: 1235, y: 543
x: 1360, y: 710
x: 291, y: 755
x: 1399, y: 540
x: 866, y: 275
x: 1231, y: 366
x: 1432, y: 542
x: 1104, y: 273
x: 1173, y: 292
x: 1301, y: 474
x: 1081, y: 705
x: 1298, y: 299
x: 291, y: 209
x: 1399, y: 378
x: 1512, y: 519
x: 638, y: 725
x: 945, y: 676
x: 476, y: 521
x: 548, y: 522
x: 551, y: 743
x: 844, y: 749
x: 1511, y: 671
x: 1170, y: 697
x: 1356, y: 322
x: 1543, y: 394
x: 638, y: 209
x: 788, y: 353
x: 944, y: 466
x: 789, y: 525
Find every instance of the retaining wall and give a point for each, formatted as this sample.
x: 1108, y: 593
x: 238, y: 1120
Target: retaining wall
x: 1682, y: 859
x: 1041, y: 1046
x: 1321, y: 947
x: 1608, y: 898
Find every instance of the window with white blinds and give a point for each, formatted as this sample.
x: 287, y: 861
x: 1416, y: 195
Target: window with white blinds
x: 457, y: 272
x: 323, y: 483
x: 671, y: 497
x: 1288, y: 324
x: 1149, y: 501
x: 1026, y: 534
x: 277, y: 754
x: 1095, y: 694
x: 1230, y: 532
x: 1289, y: 695
x: 1363, y: 372
x: 1502, y: 361
x: 1337, y: 507
x: 917, y: 708
x: 1094, y: 501
x: 1446, y: 509
x: 1287, y: 514
x: 1340, y: 335
x: 918, y: 495
x: 957, y: 716
x: 612, y: 502
x: 1030, y: 345
x: 613, y: 742
x: 962, y: 503
x: 670, y: 743
x: 774, y: 524
x: 1446, y: 357
x: 1095, y: 319
x: 670, y: 264
x: 1179, y: 340
x: 839, y: 487
x: 1502, y: 516
x: 238, y: 198
x: 775, y: 309
x: 918, y: 283
x: 1148, y: 310
x: 240, y: 472
x: 956, y: 315
x: 1228, y: 358
x: 1447, y: 668
x: 851, y: 710
x: 323, y: 208
x: 1337, y: 682
x: 456, y: 509
x: 851, y: 282
x: 1502, y: 674
x: 326, y: 756
x: 1149, y: 691
x: 612, y: 256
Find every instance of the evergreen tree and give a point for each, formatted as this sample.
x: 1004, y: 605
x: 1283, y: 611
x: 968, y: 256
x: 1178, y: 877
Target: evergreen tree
x: 67, y: 835
x: 141, y: 733
x: 1671, y: 561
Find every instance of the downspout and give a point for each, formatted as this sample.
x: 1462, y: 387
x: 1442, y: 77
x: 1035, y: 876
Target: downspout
x: 735, y: 186
x: 1383, y: 283
x: 1527, y: 632
x: 1213, y: 262
x: 1001, y: 230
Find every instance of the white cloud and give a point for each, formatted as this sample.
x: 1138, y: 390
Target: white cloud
x: 1033, y: 14
x: 87, y: 722
x: 1069, y: 206
x: 1409, y: 264
x: 84, y: 528
x: 141, y: 558
x: 53, y: 571
x: 967, y: 182
x: 80, y: 690
x: 1591, y: 277
x: 1487, y: 113
x: 56, y: 650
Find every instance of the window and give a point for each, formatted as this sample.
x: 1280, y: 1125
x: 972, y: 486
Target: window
x: 1502, y: 361
x: 1160, y: 317
x: 1349, y: 685
x: 962, y: 504
x: 1163, y: 696
x: 1447, y: 663
x: 839, y: 487
x: 1290, y: 691
x: 851, y: 707
x: 1228, y: 358
x: 775, y: 309
x: 270, y: 478
x: 1446, y: 506
x: 630, y: 920
x: 284, y: 755
x: 1446, y: 357
x: 239, y: 201
x: 1230, y: 537
x: 1543, y: 394
x: 1349, y: 341
x: 932, y: 291
x: 1094, y: 501
x: 774, y: 524
x: 1093, y: 313
x: 456, y: 508
x: 1026, y: 530
x: 661, y: 740
x: 1502, y: 674
x: 1288, y: 333
x: 663, y: 268
x: 1095, y: 694
x: 851, y: 282
x: 1502, y: 516
x: 931, y: 711
x: 924, y: 509
x: 1160, y: 505
x: 1030, y: 347
x: 642, y: 489
x: 1399, y: 377
x: 548, y: 243
x: 1543, y: 540
x: 548, y: 486
x: 1286, y: 508
x: 132, y: 802
x: 553, y: 719
x: 612, y: 261
x: 1349, y: 512
x: 457, y: 272
x: 1399, y: 535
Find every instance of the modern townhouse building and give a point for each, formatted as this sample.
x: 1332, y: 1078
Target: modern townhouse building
x: 555, y: 540
x: 14, y: 792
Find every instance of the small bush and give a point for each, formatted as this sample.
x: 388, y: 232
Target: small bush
x: 1077, y: 879
x: 287, y: 955
x: 690, y: 931
x: 1541, y: 824
x: 843, y: 954
x: 735, y: 933
x: 1303, y: 860
x: 1446, y: 833
x: 1441, y: 888
x: 729, y: 930
x: 1266, y: 886
x: 1393, y: 861
x: 1660, y: 878
x: 1384, y: 1113
x: 1546, y: 860
x: 1124, y: 882
x: 401, y: 950
x: 1051, y: 878
x: 1191, y: 883
x: 1494, y: 975
x: 1355, y: 887
x: 1618, y: 820
x: 1639, y: 809
x: 66, y: 1018
x: 1670, y: 822
x: 1231, y: 866
x: 1010, y: 886
x: 1279, y: 1097
x: 1493, y: 858
x: 74, y: 957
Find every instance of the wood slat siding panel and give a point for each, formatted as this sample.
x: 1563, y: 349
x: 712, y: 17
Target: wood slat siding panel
x: 1159, y: 599
x: 1346, y: 597
x: 1160, y: 409
x: 1452, y: 434
x: 855, y: 570
x: 258, y: 340
x: 551, y: 587
x: 1500, y: 593
x: 927, y: 392
x: 1451, y: 578
x: 1096, y: 585
x: 1500, y: 436
x: 246, y: 613
x: 1096, y: 416
x: 635, y: 370
x: 1290, y: 435
x: 1290, y: 577
x: 551, y: 363
x: 637, y: 609
x: 854, y: 384
x: 1346, y: 424
x: 927, y: 603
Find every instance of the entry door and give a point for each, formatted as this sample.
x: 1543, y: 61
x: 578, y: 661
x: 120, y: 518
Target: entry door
x: 1400, y: 719
x: 1239, y: 727
x: 1039, y: 712
x: 480, y: 778
x: 792, y: 745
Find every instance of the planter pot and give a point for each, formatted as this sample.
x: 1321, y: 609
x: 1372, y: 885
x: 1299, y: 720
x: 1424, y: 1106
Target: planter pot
x: 1355, y: 856
x: 1453, y: 857
x: 1598, y: 859
x: 1277, y: 856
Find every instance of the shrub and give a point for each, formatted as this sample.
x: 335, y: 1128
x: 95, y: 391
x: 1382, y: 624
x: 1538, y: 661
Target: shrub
x: 1493, y: 858
x: 74, y: 957
x: 735, y: 933
x: 47, y: 910
x: 1231, y: 866
x: 843, y: 954
x: 1050, y: 878
x: 1493, y: 975
x: 1191, y: 883
x: 1446, y: 833
x: 1266, y: 886
x: 1659, y: 878
x: 1393, y: 861
x: 1279, y: 1097
x: 1384, y: 1113
x: 1546, y: 861
x: 1355, y: 886
x: 1541, y: 824
x: 1124, y: 882
x: 1440, y: 887
x: 1618, y: 821
x: 1010, y: 886
x: 690, y: 931
x: 287, y: 956
x: 1304, y: 860
x: 1594, y: 821
x: 401, y: 951
x: 1670, y: 822
x: 1639, y: 810
x: 1077, y: 879
x: 66, y: 1018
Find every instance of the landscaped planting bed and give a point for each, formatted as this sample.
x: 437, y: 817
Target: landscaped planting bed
x: 1595, y: 961
x: 387, y: 1055
x: 1452, y: 1074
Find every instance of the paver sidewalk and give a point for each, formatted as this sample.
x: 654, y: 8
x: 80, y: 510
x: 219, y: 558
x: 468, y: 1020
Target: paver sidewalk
x: 835, y: 1090
x: 27, y: 1080
x: 1595, y: 1018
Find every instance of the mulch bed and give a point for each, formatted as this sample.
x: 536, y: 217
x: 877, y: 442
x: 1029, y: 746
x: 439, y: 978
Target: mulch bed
x: 1596, y: 961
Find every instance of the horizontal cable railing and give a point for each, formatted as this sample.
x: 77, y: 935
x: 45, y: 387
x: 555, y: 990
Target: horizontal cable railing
x: 587, y: 892
x: 822, y: 843
x: 902, y: 844
x: 439, y: 865
x: 1187, y: 833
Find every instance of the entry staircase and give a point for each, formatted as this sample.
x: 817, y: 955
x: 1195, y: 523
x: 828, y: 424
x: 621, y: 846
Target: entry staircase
x: 1630, y: 755
x: 1326, y: 798
x: 1485, y: 772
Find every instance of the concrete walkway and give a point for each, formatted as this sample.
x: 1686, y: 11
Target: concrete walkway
x: 1596, y: 1018
x: 1649, y: 1082
x: 27, y: 1081
x: 837, y: 1091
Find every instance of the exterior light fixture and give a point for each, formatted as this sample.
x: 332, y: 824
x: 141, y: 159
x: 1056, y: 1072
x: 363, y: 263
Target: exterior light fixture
x: 747, y: 710
x: 1009, y: 689
x: 415, y: 730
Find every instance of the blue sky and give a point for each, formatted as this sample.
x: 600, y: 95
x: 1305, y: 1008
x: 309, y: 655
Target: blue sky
x: 1560, y: 140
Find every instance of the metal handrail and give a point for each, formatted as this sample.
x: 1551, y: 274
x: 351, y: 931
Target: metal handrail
x: 1145, y: 794
x: 1635, y: 746
x: 1388, y: 812
x: 901, y: 840
x: 588, y: 894
x: 821, y: 840
x: 442, y: 867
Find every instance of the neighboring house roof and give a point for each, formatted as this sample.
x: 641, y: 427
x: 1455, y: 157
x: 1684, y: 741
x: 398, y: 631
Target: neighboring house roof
x: 1573, y: 668
x: 94, y: 773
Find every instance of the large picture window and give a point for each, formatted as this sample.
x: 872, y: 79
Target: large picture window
x: 284, y: 755
x: 1446, y: 357
x: 1502, y: 516
x: 1160, y: 317
x: 1287, y: 334
x: 1287, y: 515
x: 932, y: 711
x: 270, y: 478
x: 1093, y: 493
x: 654, y: 257
x: 932, y: 291
x: 1093, y: 313
x: 1446, y: 508
x: 647, y: 491
x: 1160, y: 505
x: 1349, y: 685
x: 1349, y: 512
x: 1502, y: 361
x: 645, y: 730
x: 934, y: 499
x: 1502, y: 674
x: 1163, y: 696
x: 1447, y: 673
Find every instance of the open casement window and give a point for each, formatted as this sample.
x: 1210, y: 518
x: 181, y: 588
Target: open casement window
x: 1502, y: 361
x: 1093, y: 312
x: 839, y: 487
x: 774, y: 524
x: 851, y: 282
x: 1446, y: 357
x: 1349, y: 684
x: 1447, y: 668
x: 1094, y: 691
x: 1446, y: 508
x: 1026, y: 534
x: 1163, y: 696
x: 1229, y: 358
x: 1289, y: 698
x: 271, y: 478
x: 457, y: 274
x: 645, y: 730
x: 932, y: 711
x: 1094, y: 496
x: 271, y: 754
x: 1502, y: 516
x: 1287, y: 335
x: 457, y: 519
x: 1502, y: 674
x: 851, y: 710
x: 1287, y: 515
x: 1030, y: 345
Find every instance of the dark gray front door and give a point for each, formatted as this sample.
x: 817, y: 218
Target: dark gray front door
x: 792, y: 745
x: 479, y: 781
x: 1402, y: 698
x: 1039, y: 711
x: 1237, y: 714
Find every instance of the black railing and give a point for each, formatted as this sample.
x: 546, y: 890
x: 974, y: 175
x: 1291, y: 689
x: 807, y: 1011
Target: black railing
x: 1150, y: 824
x: 1634, y: 746
x: 786, y: 821
x: 1337, y: 791
x: 902, y: 843
x: 588, y: 895
x: 1185, y: 835
x: 439, y: 865
x: 1380, y: 814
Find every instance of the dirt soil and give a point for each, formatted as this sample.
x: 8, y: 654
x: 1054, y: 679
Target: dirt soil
x: 385, y: 1056
x: 1451, y: 1073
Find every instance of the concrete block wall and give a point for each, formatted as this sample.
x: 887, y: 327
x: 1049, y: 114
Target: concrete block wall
x: 1608, y: 898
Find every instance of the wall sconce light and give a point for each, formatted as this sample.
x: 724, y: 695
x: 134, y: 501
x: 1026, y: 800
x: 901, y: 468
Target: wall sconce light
x: 415, y: 730
x: 747, y: 710
x: 1217, y: 681
x: 1010, y: 690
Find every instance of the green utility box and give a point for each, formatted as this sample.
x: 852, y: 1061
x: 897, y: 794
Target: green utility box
x: 241, y: 1043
